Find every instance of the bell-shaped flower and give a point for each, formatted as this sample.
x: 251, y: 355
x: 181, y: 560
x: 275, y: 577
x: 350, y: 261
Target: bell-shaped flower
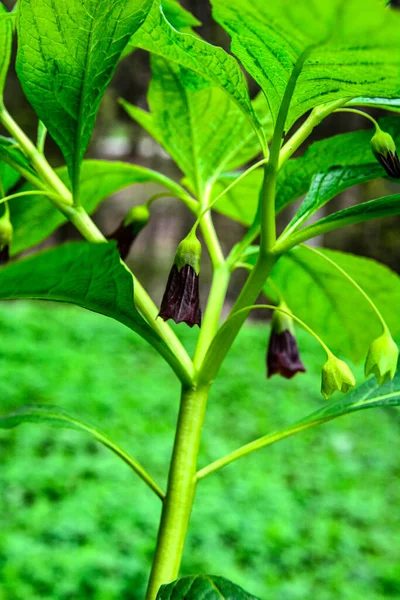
x: 283, y: 356
x: 384, y: 150
x: 181, y: 301
x: 336, y: 377
x: 382, y: 358
x: 127, y: 232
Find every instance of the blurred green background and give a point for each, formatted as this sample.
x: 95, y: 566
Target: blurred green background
x: 315, y: 516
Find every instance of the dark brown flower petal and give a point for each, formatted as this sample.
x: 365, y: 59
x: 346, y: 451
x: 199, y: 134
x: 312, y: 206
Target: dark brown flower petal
x: 181, y: 297
x: 4, y: 255
x: 391, y: 164
x: 283, y: 355
x: 125, y: 236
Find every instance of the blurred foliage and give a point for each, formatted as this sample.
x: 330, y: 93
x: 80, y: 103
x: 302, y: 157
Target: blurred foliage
x: 313, y: 517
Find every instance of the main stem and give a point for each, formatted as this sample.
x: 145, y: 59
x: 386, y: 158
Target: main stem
x: 180, y: 490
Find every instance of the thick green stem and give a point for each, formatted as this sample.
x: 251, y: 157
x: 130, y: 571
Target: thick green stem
x: 180, y: 490
x: 37, y: 159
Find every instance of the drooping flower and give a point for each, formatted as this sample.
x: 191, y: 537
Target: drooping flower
x: 283, y: 356
x: 181, y: 297
x: 126, y: 233
x: 382, y: 358
x: 384, y: 150
x: 336, y: 377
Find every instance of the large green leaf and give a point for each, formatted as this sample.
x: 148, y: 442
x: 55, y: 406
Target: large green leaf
x: 198, y: 124
x: 241, y: 201
x: 67, y: 53
x: 339, y: 161
x: 210, y: 62
x: 34, y: 217
x: 6, y: 35
x: 391, y: 104
x: 88, y: 275
x: 329, y: 50
x: 319, y: 294
x: 203, y: 587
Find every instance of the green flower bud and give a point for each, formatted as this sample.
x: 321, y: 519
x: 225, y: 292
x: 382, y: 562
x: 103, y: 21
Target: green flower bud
x: 6, y: 235
x: 382, y: 358
x: 384, y: 150
x: 189, y: 253
x: 336, y: 377
x: 137, y: 217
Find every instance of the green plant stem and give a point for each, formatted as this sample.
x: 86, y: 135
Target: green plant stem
x: 361, y: 113
x: 316, y: 116
x: 180, y: 490
x: 179, y: 360
x: 37, y: 160
x: 32, y: 193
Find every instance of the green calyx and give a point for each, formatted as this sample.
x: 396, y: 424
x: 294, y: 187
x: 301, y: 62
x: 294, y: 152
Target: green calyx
x: 382, y: 144
x: 382, y: 358
x: 137, y: 218
x: 336, y: 377
x: 281, y: 321
x: 189, y: 253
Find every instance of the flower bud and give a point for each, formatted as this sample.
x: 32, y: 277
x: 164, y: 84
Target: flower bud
x: 181, y: 297
x: 382, y: 358
x: 6, y: 235
x: 126, y: 233
x: 336, y: 377
x: 384, y: 150
x: 283, y: 353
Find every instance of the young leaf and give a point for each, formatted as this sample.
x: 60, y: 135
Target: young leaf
x: 210, y: 62
x: 327, y: 50
x: 34, y: 218
x: 6, y: 35
x: 197, y: 123
x: 56, y: 417
x: 67, y: 54
x: 319, y: 295
x: 196, y: 587
x: 88, y: 275
x: 339, y: 161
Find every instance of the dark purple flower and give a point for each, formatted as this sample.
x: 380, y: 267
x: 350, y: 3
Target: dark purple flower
x: 125, y: 237
x: 181, y: 297
x: 283, y: 355
x: 391, y: 164
x: 4, y: 255
x: 127, y: 232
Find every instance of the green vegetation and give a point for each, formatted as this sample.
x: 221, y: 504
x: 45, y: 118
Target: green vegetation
x: 315, y: 516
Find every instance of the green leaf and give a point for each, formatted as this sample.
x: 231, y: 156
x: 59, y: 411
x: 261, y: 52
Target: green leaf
x: 8, y: 177
x: 210, y: 62
x: 6, y: 36
x: 34, y: 218
x: 329, y: 50
x: 197, y: 123
x: 374, y: 209
x: 368, y: 395
x: 318, y: 294
x: 337, y: 163
x: 203, y: 587
x: 391, y: 104
x: 67, y: 54
x: 91, y: 276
